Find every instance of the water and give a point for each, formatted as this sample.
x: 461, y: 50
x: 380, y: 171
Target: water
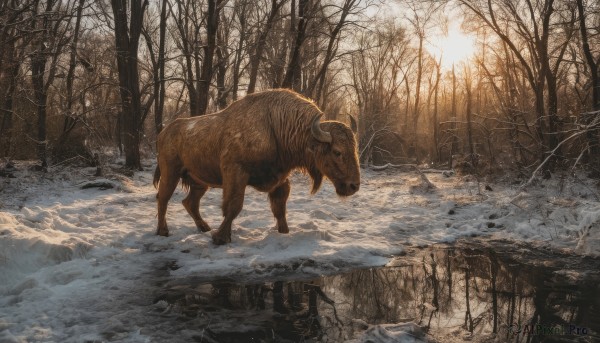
x: 454, y: 293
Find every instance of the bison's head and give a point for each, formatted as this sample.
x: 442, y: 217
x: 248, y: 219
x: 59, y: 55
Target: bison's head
x: 335, y: 156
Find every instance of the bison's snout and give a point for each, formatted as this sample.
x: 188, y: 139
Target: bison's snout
x: 346, y: 188
x: 353, y: 187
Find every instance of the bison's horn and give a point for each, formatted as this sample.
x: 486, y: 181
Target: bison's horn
x: 320, y: 135
x: 353, y: 124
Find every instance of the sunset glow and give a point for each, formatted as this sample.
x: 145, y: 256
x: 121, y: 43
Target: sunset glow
x: 454, y: 48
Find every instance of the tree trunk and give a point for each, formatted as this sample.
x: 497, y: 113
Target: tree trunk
x: 454, y: 144
x: 260, y: 45
x: 330, y: 52
x: 9, y: 71
x: 159, y: 87
x: 551, y: 131
x: 239, y: 52
x: 469, y: 114
x: 212, y: 25
x: 593, y: 136
x: 221, y: 71
x: 292, y: 75
x: 127, y: 40
x: 416, y: 112
x: 7, y: 105
x: 70, y: 118
x: 436, y: 127
x: 189, y: 50
x: 38, y: 68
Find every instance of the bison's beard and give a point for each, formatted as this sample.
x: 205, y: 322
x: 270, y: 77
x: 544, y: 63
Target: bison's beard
x: 317, y: 178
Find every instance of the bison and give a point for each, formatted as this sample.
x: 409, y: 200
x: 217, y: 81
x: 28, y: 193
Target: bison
x: 256, y: 141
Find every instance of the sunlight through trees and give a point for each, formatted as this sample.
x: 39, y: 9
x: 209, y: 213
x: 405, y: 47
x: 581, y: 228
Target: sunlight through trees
x: 502, y: 84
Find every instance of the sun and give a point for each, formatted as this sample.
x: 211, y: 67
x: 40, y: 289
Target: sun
x: 454, y: 48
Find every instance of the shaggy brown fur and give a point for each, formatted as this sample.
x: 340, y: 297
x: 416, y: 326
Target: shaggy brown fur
x: 256, y: 141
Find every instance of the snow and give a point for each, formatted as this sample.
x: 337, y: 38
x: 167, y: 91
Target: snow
x: 76, y: 264
x: 400, y: 333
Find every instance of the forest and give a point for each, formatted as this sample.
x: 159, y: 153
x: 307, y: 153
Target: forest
x: 88, y: 80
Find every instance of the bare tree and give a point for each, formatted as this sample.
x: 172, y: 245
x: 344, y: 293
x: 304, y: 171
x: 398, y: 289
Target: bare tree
x: 527, y: 28
x: 158, y: 60
x: 191, y: 18
x: 421, y: 18
x: 127, y: 30
x: 11, y: 57
x: 376, y: 69
x: 593, y: 63
x: 305, y: 11
x: 212, y: 26
x: 241, y: 51
x: 51, y: 38
x: 435, y: 120
x: 223, y: 60
x: 334, y: 29
x: 71, y: 118
x: 260, y: 43
x: 534, y: 80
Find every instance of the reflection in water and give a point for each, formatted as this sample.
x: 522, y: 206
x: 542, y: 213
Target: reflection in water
x: 454, y: 294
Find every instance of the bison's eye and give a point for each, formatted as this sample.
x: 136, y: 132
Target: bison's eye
x: 337, y: 153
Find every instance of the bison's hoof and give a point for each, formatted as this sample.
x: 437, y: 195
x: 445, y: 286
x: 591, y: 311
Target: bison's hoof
x: 218, y: 240
x: 163, y: 232
x: 203, y: 227
x: 283, y: 229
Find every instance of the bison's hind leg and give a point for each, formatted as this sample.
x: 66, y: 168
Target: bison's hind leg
x: 191, y: 203
x: 235, y: 180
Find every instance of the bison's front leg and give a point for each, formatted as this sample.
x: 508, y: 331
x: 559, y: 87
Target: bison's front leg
x: 234, y: 187
x: 191, y: 204
x: 278, y: 199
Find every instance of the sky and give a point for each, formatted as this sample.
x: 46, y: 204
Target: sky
x: 452, y: 44
x: 454, y: 48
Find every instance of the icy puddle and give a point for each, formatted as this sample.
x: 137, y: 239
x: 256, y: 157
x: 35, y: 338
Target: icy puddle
x: 444, y: 294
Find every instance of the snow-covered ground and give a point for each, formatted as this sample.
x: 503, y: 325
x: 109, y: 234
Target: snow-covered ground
x: 75, y: 263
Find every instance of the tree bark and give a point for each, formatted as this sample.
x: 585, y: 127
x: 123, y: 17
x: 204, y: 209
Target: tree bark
x: 212, y: 25
x: 260, y: 45
x: 436, y: 128
x: 7, y: 105
x: 127, y: 41
x: 292, y: 75
x: 416, y: 109
x: 70, y: 118
x: 239, y: 52
x: 222, y: 62
x: 159, y: 87
x: 454, y: 144
x: 593, y: 136
x: 469, y: 114
x: 182, y: 20
x: 38, y: 69
x: 330, y: 52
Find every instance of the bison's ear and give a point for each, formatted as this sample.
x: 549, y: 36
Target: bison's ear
x: 317, y: 178
x: 318, y: 148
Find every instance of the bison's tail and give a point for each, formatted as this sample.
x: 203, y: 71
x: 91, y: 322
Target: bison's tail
x: 156, y: 176
x: 186, y: 181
